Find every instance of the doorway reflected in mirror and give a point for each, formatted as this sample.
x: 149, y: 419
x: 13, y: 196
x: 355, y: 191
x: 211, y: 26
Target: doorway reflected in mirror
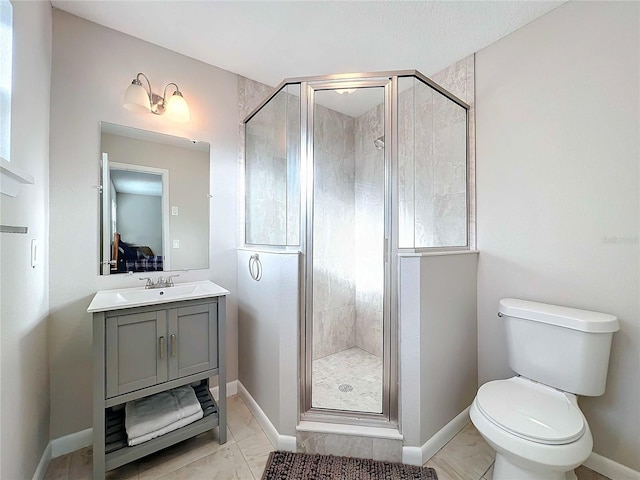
x: 155, y: 201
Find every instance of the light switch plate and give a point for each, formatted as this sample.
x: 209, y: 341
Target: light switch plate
x: 174, y: 210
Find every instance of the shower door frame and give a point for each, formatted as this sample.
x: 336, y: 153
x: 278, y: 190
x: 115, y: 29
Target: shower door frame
x: 389, y: 415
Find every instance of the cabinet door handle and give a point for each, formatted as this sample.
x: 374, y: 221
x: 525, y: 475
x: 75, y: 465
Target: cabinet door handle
x: 163, y: 347
x: 174, y: 346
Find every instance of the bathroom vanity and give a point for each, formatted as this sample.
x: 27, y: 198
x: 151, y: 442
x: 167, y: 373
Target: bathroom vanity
x: 147, y: 341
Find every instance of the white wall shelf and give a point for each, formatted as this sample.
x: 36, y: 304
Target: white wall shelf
x: 11, y: 177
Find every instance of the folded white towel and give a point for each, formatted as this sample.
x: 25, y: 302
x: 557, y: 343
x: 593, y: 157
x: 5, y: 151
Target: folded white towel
x: 169, y: 428
x: 157, y: 414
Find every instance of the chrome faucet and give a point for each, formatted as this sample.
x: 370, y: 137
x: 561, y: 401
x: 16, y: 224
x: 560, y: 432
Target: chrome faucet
x: 161, y: 282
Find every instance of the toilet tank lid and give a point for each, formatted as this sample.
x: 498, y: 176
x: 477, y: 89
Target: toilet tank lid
x: 583, y: 320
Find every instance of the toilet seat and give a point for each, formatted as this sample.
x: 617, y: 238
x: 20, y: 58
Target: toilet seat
x: 531, y: 411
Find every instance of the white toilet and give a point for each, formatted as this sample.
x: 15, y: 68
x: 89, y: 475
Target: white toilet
x: 532, y: 420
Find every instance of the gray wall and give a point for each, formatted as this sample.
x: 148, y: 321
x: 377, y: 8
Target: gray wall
x: 24, y: 292
x: 438, y: 341
x: 268, y: 326
x: 92, y: 67
x: 137, y: 228
x: 558, y: 216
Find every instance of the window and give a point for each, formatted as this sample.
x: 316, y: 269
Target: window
x: 6, y: 60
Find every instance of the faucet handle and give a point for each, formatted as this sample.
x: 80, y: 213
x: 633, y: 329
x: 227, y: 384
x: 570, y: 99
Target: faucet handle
x: 170, y: 279
x: 149, y: 281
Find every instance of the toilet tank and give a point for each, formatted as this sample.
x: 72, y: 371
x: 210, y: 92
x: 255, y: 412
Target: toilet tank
x: 562, y: 347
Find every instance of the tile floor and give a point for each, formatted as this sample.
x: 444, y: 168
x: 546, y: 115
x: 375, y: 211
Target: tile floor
x: 243, y: 457
x: 354, y: 367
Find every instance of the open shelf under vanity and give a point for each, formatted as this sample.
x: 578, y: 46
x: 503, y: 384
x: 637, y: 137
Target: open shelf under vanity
x: 118, y: 452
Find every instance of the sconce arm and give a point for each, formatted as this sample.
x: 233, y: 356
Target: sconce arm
x: 148, y: 83
x: 164, y: 94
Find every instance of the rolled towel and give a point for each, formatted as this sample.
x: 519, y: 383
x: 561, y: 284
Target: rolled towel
x: 157, y: 414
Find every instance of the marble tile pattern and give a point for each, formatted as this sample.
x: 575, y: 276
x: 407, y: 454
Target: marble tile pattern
x: 350, y: 446
x: 250, y: 94
x: 432, y: 168
x: 245, y: 454
x: 266, y: 174
x: 369, y: 225
x: 334, y: 290
x: 355, y: 367
x: 271, y: 187
x: 459, y: 79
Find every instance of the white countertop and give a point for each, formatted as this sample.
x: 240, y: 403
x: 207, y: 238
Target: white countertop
x: 119, y: 299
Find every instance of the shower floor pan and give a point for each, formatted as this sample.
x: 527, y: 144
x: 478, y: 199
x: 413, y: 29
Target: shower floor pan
x: 334, y: 374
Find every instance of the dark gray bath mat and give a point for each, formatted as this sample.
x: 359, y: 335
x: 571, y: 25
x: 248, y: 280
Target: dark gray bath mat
x: 302, y: 466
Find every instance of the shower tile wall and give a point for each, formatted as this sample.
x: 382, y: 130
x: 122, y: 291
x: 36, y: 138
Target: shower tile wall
x: 334, y: 292
x: 272, y: 192
x: 369, y: 208
x: 250, y: 94
x: 459, y: 79
x: 431, y: 155
x: 266, y: 175
x: 349, y: 232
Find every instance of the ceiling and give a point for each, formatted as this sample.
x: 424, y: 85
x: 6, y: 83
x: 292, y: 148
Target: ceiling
x: 136, y: 183
x: 269, y: 41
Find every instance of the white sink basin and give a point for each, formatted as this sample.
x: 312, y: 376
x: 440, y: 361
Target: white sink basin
x: 136, y: 297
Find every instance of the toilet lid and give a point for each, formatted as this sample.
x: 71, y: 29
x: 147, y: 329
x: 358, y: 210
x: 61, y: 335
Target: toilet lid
x: 530, y: 410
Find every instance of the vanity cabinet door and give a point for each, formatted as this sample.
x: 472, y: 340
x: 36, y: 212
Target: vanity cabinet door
x: 193, y: 339
x: 136, y: 353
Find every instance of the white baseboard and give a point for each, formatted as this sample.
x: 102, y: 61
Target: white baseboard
x: 41, y: 469
x: 70, y: 443
x: 609, y: 468
x: 412, y: 456
x: 232, y: 389
x: 287, y: 443
x: 419, y: 455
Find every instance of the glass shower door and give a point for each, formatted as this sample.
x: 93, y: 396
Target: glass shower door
x: 348, y: 250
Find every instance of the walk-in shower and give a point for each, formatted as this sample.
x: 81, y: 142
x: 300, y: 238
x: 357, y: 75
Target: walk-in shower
x: 351, y: 170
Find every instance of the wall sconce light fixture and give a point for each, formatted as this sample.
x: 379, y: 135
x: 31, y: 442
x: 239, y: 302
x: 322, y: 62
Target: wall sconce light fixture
x: 138, y: 100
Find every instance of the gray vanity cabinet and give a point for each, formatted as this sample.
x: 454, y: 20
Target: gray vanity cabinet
x: 144, y: 349
x: 193, y: 340
x: 141, y: 351
x: 136, y: 351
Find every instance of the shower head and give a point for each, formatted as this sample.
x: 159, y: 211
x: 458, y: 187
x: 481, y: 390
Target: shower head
x: 379, y: 142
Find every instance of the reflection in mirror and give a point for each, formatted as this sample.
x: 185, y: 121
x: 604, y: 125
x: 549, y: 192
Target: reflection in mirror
x: 155, y: 202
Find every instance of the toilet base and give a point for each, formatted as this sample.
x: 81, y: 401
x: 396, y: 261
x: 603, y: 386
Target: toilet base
x: 505, y: 470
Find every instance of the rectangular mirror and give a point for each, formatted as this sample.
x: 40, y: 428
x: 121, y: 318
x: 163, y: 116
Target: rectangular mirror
x: 154, y: 202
